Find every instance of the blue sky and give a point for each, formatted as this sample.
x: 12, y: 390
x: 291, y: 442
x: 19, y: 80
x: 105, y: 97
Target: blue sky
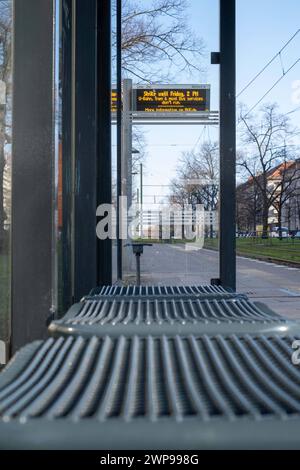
x: 263, y: 27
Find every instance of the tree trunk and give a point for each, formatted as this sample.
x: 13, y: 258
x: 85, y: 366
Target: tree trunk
x: 265, y: 218
x: 254, y: 212
x: 254, y: 218
x: 279, y: 222
x: 289, y: 217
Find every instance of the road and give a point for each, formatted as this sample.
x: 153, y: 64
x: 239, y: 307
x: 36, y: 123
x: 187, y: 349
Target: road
x: 277, y: 286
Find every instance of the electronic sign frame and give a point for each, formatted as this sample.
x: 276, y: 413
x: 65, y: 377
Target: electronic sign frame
x: 171, y: 99
x: 167, y: 100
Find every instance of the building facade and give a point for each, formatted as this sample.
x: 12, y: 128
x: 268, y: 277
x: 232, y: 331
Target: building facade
x: 283, y: 196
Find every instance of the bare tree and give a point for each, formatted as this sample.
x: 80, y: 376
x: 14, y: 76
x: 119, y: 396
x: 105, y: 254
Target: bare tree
x: 198, y: 174
x: 157, y: 41
x: 139, y: 144
x: 264, y: 140
x: 5, y: 102
x: 297, y: 208
x: 155, y: 37
x: 197, y: 179
x: 248, y: 206
x: 179, y: 193
x: 286, y: 187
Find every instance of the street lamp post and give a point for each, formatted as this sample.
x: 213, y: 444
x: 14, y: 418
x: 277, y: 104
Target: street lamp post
x: 141, y: 200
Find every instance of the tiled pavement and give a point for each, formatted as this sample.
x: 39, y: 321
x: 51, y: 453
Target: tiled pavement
x: 277, y: 286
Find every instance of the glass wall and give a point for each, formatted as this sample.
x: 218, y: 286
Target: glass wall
x: 62, y: 291
x: 5, y: 163
x: 114, y: 127
x: 175, y: 157
x: 268, y: 143
x: 57, y: 282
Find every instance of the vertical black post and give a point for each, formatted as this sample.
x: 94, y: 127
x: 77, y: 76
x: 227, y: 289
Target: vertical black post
x: 67, y: 177
x: 32, y: 170
x: 141, y: 199
x: 119, y: 133
x: 160, y: 227
x: 149, y: 224
x: 141, y: 186
x: 227, y: 143
x: 138, y: 269
x: 104, y: 193
x: 84, y: 147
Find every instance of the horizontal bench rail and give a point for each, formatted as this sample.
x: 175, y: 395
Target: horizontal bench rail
x: 142, y: 315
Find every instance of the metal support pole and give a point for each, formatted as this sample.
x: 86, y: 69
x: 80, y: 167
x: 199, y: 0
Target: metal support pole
x: 141, y: 184
x: 119, y: 134
x: 103, y: 86
x: 67, y: 176
x: 127, y: 161
x: 127, y: 142
x: 227, y: 143
x: 138, y: 269
x: 149, y: 224
x: 84, y: 139
x: 33, y: 175
x: 141, y: 199
x: 160, y: 227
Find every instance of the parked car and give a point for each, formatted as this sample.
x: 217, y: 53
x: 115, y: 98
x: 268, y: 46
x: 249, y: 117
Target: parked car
x: 292, y: 233
x: 275, y: 232
x: 297, y: 236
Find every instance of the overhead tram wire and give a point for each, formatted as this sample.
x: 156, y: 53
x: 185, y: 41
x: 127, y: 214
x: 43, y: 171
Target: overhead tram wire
x: 199, y: 139
x: 293, y: 111
x: 278, y: 54
x: 272, y: 87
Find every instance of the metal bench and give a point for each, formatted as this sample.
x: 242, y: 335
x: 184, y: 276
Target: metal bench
x: 181, y: 392
x: 142, y: 315
x: 213, y: 292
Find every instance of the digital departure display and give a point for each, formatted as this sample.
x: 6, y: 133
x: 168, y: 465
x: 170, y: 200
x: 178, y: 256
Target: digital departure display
x: 114, y: 98
x: 172, y: 100
x: 167, y: 99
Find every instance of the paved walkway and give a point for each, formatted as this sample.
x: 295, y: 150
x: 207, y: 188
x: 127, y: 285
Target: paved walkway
x: 277, y: 286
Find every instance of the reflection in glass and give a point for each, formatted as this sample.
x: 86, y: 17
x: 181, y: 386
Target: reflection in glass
x: 114, y: 130
x: 5, y: 163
